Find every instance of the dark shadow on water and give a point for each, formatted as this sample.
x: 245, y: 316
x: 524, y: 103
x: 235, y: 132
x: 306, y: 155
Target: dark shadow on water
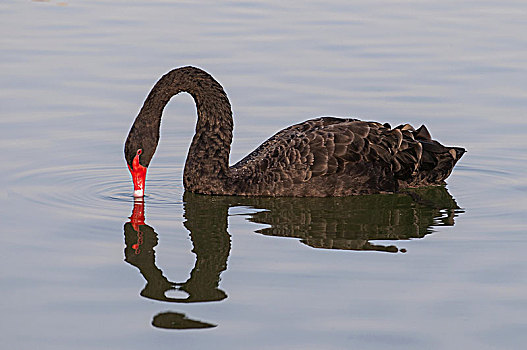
x: 349, y: 223
x: 175, y: 320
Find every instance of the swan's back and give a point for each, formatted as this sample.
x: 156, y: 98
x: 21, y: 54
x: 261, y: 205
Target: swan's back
x: 340, y: 157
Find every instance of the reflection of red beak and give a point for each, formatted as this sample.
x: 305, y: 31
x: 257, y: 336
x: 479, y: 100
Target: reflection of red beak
x: 138, y: 214
x: 138, y: 176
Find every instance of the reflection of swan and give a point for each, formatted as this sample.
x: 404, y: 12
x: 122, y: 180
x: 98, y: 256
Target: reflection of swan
x: 317, y: 158
x: 211, y: 246
x: 335, y: 223
x: 346, y: 222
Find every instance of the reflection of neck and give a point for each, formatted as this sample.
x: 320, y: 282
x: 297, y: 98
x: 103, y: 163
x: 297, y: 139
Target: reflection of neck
x: 208, y: 232
x: 139, y: 252
x: 140, y: 240
x: 207, y: 223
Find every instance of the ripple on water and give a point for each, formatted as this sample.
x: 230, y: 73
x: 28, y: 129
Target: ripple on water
x: 101, y: 190
x: 95, y: 190
x: 492, y: 182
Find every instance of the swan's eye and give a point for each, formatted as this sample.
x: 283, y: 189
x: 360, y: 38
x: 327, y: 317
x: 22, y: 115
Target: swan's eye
x: 139, y: 151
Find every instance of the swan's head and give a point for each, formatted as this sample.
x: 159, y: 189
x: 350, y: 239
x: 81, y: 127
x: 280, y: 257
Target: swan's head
x: 139, y: 149
x: 138, y: 174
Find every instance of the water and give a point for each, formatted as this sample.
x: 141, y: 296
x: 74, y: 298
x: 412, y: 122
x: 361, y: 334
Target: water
x: 374, y: 272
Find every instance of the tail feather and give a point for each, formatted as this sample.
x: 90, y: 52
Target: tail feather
x: 441, y: 166
x: 433, y: 166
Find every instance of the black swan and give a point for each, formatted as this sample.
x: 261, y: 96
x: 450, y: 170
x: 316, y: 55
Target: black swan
x: 320, y: 157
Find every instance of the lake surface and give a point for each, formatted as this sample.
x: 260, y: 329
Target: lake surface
x: 83, y: 267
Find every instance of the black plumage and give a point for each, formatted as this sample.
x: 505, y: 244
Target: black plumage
x: 317, y: 158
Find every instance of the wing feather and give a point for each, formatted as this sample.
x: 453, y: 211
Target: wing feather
x: 383, y: 157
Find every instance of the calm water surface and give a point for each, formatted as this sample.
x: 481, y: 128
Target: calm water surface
x: 84, y: 267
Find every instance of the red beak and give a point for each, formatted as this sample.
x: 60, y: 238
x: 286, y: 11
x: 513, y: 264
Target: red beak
x: 138, y: 176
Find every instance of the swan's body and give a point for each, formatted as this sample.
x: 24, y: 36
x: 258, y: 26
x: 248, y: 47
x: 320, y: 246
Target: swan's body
x: 317, y: 158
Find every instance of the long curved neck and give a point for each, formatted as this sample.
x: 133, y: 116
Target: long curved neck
x: 207, y: 164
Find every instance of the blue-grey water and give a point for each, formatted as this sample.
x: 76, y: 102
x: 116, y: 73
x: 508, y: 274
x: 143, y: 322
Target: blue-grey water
x: 375, y: 272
